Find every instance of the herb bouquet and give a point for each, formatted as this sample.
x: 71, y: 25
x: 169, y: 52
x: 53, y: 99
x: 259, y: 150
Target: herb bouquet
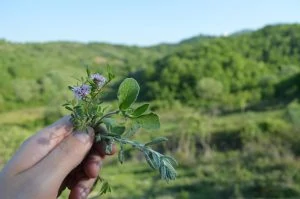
x: 120, y: 125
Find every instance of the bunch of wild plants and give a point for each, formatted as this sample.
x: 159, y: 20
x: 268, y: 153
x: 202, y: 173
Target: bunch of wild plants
x: 87, y: 109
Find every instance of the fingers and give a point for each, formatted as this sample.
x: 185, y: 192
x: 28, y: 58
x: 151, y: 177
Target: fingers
x: 39, y: 145
x: 92, y: 164
x: 88, y: 169
x: 82, y: 189
x: 100, y: 147
x: 64, y: 157
x: 81, y: 180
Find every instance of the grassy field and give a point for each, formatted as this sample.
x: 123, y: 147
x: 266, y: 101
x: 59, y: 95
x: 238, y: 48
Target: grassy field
x: 248, y: 154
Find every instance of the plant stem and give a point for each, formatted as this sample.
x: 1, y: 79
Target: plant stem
x: 109, y: 114
x: 106, y: 115
x: 124, y: 141
x: 137, y: 145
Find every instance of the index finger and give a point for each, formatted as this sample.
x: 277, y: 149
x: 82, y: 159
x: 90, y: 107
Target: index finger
x: 39, y: 145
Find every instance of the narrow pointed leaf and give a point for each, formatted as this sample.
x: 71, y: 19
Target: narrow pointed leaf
x: 121, y: 156
x: 170, y: 159
x: 69, y: 108
x: 156, y: 159
x: 88, y: 72
x: 149, y: 161
x: 156, y: 141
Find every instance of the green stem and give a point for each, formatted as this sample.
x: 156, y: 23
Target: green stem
x: 166, y: 171
x: 124, y: 141
x: 109, y: 114
x: 139, y: 146
x: 98, y: 90
x: 106, y: 115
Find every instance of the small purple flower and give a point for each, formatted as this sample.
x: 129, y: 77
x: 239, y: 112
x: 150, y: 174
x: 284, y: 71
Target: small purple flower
x: 98, y: 79
x: 81, y: 91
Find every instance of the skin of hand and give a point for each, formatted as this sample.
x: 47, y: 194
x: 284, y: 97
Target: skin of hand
x: 52, y: 160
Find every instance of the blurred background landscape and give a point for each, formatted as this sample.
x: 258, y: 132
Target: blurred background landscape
x: 228, y: 101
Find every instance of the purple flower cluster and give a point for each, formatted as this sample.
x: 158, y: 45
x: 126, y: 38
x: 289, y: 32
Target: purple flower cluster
x: 82, y: 91
x: 98, y: 79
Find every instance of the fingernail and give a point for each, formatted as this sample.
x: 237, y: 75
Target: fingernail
x: 84, y: 136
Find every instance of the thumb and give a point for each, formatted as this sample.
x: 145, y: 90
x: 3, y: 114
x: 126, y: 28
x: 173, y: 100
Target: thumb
x: 66, y: 155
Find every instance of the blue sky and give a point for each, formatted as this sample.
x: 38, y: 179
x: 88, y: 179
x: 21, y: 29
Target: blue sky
x: 141, y: 22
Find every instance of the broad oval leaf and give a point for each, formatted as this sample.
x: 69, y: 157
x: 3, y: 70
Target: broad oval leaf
x: 127, y: 93
x: 149, y: 121
x: 140, y: 110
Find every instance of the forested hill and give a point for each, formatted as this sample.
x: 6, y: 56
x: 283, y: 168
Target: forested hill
x: 230, y: 72
x: 233, y: 72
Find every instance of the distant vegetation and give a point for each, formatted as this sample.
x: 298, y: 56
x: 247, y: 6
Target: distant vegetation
x: 229, y: 105
x: 233, y: 72
x: 228, y: 72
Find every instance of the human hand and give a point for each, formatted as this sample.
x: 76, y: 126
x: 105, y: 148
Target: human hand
x: 53, y: 159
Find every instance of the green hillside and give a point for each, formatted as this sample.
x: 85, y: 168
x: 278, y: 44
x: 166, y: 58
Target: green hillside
x: 229, y: 72
x: 229, y: 106
x: 32, y: 72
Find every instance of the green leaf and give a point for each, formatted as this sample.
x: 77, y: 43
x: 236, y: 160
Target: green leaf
x: 105, y: 108
x: 118, y: 130
x: 110, y: 73
x: 140, y: 110
x: 108, y: 147
x: 66, y: 104
x: 88, y: 72
x: 112, y: 126
x: 132, y: 129
x: 170, y: 171
x: 156, y: 141
x: 170, y: 159
x: 69, y: 108
x: 127, y: 93
x: 149, y: 160
x: 149, y: 121
x: 155, y: 159
x: 109, y: 123
x: 163, y: 171
x: 121, y: 154
x: 105, y: 187
x: 97, y: 138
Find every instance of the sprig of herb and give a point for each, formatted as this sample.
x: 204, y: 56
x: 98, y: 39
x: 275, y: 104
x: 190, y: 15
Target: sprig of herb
x: 119, y: 125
